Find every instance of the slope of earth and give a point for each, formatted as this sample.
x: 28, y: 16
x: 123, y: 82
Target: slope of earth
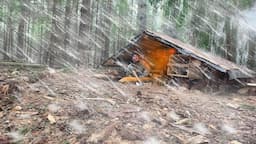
x: 87, y: 107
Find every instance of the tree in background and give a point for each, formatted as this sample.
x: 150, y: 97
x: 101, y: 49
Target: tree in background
x: 86, y: 32
x: 142, y: 15
x: 21, y: 35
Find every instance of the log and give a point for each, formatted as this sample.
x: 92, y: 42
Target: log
x: 134, y: 79
x: 16, y: 64
x: 251, y: 84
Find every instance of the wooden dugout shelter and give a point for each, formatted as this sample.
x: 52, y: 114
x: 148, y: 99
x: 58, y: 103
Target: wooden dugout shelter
x: 171, y: 57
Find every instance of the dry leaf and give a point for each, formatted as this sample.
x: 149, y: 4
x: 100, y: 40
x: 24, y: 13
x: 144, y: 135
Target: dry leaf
x: 1, y: 114
x: 51, y: 119
x: 197, y: 140
x: 235, y: 142
x: 183, y: 121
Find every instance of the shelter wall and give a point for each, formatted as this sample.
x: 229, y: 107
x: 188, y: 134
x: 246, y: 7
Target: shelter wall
x: 156, y: 54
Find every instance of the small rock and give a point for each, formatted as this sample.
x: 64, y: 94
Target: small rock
x: 147, y: 126
x: 243, y: 91
x: 51, y: 95
x: 172, y: 115
x: 234, y: 106
x: 17, y: 108
x: 131, y: 135
x: 15, y: 73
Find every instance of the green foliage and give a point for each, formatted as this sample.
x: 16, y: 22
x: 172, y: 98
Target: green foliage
x: 186, y: 16
x: 40, y: 26
x: 243, y: 4
x: 182, y: 14
x: 204, y: 39
x: 122, y: 7
x: 154, y: 3
x: 66, y: 142
x: 248, y: 107
x: 15, y: 6
x: 24, y: 130
x: 167, y: 7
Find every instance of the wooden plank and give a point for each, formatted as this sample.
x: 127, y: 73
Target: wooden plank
x: 178, y: 75
x: 179, y: 65
x: 203, y: 72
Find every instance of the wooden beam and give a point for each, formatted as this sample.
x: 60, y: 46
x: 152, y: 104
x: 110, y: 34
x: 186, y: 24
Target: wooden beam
x: 178, y: 75
x: 251, y: 84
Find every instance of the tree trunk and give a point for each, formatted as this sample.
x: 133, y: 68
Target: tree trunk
x: 107, y: 30
x: 21, y: 33
x: 11, y: 40
x: 54, y: 38
x: 97, y: 22
x: 252, y: 52
x: 5, y: 48
x: 84, y: 32
x: 67, y: 24
x: 8, y: 41
x: 142, y: 15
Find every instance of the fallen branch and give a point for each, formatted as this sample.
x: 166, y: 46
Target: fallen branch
x: 189, y: 130
x: 102, y: 99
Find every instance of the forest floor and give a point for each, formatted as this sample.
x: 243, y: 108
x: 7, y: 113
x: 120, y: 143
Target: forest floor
x: 86, y: 107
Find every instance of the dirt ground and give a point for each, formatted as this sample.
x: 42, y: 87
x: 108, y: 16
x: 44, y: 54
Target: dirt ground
x: 64, y: 107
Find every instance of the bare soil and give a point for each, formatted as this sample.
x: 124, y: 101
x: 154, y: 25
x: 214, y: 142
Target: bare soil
x: 87, y: 107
